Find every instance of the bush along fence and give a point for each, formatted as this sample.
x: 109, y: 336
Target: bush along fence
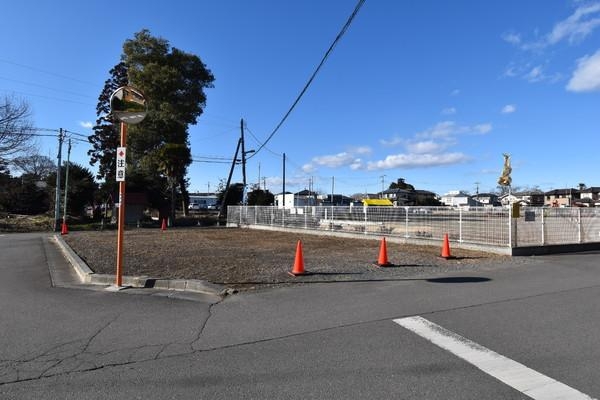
x: 518, y: 231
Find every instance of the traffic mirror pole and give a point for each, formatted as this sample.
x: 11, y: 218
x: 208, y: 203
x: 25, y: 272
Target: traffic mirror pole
x: 119, y: 275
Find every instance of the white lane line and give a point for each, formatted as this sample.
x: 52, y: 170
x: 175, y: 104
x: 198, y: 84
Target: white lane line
x: 512, y: 373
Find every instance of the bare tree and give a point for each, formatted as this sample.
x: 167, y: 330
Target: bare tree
x: 15, y: 126
x: 35, y: 165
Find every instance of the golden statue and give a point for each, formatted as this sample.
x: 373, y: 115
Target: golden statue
x: 505, y: 179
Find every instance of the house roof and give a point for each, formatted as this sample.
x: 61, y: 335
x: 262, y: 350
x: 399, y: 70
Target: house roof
x: 593, y: 189
x: 561, y: 191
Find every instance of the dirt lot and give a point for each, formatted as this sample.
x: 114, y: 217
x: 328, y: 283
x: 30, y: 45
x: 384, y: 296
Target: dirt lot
x: 245, y: 258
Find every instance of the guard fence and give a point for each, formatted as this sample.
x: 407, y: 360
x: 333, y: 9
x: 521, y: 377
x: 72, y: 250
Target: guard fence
x: 497, y: 228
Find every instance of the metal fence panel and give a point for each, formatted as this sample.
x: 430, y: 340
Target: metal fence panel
x: 533, y: 226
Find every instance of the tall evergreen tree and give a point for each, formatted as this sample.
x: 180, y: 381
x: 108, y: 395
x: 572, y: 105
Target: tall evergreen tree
x: 173, y: 82
x: 105, y: 138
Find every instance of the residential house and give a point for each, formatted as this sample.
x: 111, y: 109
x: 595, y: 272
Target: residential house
x: 589, y: 197
x: 487, y: 199
x: 399, y: 197
x: 425, y: 198
x: 561, y: 197
x: 285, y: 200
x: 533, y: 198
x: 457, y: 198
x: 338, y: 200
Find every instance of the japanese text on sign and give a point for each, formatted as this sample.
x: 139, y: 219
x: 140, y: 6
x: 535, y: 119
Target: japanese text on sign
x: 121, y: 151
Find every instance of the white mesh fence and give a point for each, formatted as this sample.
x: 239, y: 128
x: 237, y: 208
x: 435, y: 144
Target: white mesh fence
x: 550, y: 226
x: 480, y: 226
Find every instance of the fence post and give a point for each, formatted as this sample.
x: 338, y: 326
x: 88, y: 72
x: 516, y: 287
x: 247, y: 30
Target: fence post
x: 406, y: 235
x: 460, y: 225
x: 510, y: 241
x: 578, y: 225
x: 543, y: 228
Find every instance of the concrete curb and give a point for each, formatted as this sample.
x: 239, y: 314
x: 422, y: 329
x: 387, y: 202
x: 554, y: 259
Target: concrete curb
x: 87, y: 276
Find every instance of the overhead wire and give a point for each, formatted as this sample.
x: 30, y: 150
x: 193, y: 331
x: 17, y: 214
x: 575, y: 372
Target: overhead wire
x: 314, y: 74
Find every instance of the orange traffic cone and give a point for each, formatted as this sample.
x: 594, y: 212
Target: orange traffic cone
x: 383, y: 258
x: 64, y: 230
x: 446, y: 248
x: 164, y: 225
x: 298, y: 261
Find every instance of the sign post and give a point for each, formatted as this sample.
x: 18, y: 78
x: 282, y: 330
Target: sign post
x: 128, y: 105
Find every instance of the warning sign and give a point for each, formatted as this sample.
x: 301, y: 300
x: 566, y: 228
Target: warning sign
x: 121, y: 152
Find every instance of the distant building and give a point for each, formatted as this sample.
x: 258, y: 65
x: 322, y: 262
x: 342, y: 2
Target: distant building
x: 301, y: 199
x: 203, y: 200
x: 399, y: 197
x: 590, y: 197
x: 425, y: 197
x: 533, y: 198
x: 458, y: 198
x: 487, y: 199
x: 561, y: 197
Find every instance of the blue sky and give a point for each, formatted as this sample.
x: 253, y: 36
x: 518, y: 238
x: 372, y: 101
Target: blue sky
x: 430, y: 91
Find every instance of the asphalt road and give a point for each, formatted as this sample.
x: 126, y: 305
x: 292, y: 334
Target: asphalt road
x: 62, y: 340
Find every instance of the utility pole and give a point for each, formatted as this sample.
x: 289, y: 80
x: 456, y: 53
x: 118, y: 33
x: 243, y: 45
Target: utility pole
x: 332, y: 188
x: 283, y: 180
x: 57, y: 194
x: 237, y: 150
x: 66, y: 185
x: 382, y: 185
x: 244, y: 199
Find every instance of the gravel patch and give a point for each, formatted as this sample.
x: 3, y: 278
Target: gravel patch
x: 250, y: 259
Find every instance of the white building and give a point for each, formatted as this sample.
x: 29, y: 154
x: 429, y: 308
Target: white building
x: 203, y: 200
x: 458, y: 198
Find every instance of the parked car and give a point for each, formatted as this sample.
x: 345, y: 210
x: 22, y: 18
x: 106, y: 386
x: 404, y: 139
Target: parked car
x: 194, y: 207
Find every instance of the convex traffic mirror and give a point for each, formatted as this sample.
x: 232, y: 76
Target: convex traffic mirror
x: 128, y: 105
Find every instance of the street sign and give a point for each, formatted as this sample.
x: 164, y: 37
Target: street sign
x: 121, y: 151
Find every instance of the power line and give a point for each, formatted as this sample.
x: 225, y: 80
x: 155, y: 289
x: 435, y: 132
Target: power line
x: 327, y: 53
x: 45, y: 87
x: 46, y: 72
x: 47, y: 97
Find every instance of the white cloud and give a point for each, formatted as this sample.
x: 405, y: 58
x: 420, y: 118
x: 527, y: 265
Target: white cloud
x: 535, y: 74
x: 361, y: 150
x: 395, y: 141
x: 425, y: 147
x: 512, y: 38
x: 309, y: 168
x: 449, y: 129
x: 577, y: 26
x: 449, y: 111
x: 509, y: 109
x: 86, y: 124
x: 441, y: 129
x: 417, y: 160
x: 335, y: 160
x: 344, y: 159
x: 482, y: 128
x: 586, y: 77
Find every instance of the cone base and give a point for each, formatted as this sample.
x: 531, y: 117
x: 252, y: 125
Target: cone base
x: 383, y: 265
x: 297, y: 273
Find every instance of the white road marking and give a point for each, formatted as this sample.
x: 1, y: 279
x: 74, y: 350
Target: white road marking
x: 512, y: 373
